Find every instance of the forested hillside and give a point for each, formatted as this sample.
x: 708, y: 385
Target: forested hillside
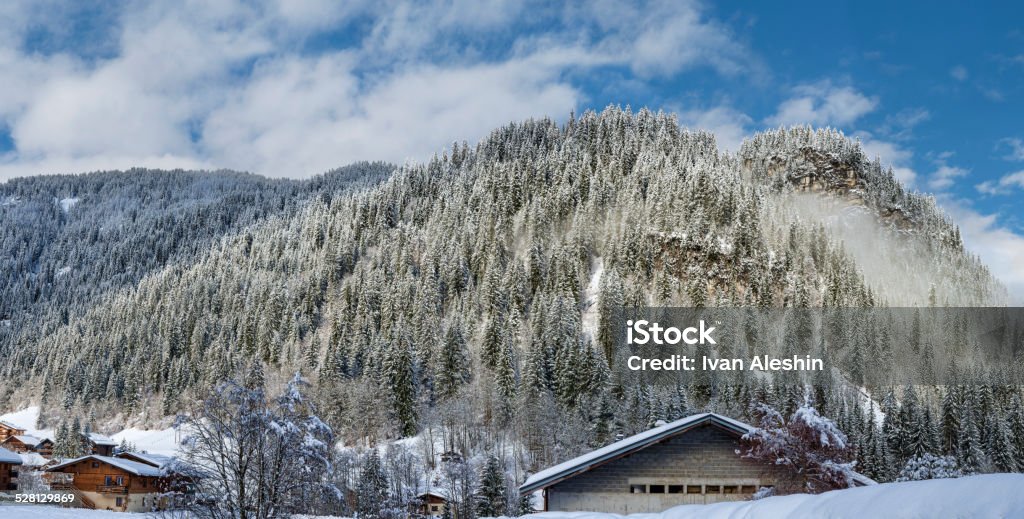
x: 68, y: 239
x: 468, y: 297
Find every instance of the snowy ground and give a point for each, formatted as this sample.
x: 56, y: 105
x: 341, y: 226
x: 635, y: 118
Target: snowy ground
x: 26, y: 419
x: 155, y: 441
x: 56, y: 512
x: 986, y: 496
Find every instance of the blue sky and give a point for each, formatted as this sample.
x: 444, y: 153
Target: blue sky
x: 292, y: 88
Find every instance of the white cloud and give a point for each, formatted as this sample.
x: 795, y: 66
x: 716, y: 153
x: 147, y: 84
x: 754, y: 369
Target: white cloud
x: 1002, y: 186
x: 890, y: 153
x: 945, y: 175
x: 327, y: 122
x: 958, y: 73
x: 900, y: 125
x: 999, y: 248
x: 729, y: 125
x: 821, y: 104
x: 234, y: 84
x: 1016, y: 147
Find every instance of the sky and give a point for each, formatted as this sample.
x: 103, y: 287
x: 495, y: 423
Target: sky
x: 292, y: 88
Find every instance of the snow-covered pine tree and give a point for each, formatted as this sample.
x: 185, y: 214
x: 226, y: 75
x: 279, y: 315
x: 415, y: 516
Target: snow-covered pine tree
x: 490, y: 495
x: 372, y: 499
x: 929, y: 466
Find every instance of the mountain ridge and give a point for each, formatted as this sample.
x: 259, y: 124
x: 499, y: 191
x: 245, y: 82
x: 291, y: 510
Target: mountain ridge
x: 444, y: 273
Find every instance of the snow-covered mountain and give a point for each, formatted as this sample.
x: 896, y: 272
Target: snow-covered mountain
x: 472, y: 289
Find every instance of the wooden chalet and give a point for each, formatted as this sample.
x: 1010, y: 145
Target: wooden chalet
x: 21, y: 443
x: 10, y: 462
x: 8, y: 429
x: 431, y: 504
x: 45, y: 447
x: 122, y: 484
x: 98, y: 444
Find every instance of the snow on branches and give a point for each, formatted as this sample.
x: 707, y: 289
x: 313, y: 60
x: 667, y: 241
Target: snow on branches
x: 807, y: 443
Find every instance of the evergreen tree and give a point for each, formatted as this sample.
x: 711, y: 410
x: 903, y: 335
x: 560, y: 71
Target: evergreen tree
x: 372, y: 498
x: 453, y: 365
x: 490, y: 496
x: 400, y: 377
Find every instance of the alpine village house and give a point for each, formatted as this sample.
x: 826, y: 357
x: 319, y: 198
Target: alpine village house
x: 127, y: 482
x: 123, y: 482
x: 694, y: 460
x: 8, y: 429
x: 10, y: 460
x: 9, y: 463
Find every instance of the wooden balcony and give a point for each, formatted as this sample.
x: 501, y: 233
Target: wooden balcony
x: 59, y: 480
x: 112, y: 489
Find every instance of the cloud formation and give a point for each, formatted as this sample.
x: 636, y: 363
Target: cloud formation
x: 293, y: 88
x: 1000, y: 248
x: 1015, y: 147
x: 1003, y: 186
x: 823, y: 103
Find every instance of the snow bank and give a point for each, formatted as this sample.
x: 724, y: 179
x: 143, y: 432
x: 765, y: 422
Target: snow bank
x: 156, y: 441
x: 56, y: 512
x: 26, y: 419
x: 989, y: 495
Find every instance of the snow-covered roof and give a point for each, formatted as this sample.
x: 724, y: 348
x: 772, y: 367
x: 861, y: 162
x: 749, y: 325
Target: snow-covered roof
x: 436, y: 492
x: 11, y: 458
x: 9, y: 425
x: 156, y: 460
x: 133, y: 467
x: 552, y: 475
x: 26, y: 439
x: 33, y: 459
x: 99, y: 439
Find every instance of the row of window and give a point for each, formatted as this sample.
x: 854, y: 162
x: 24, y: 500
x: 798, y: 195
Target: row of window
x: 693, y: 489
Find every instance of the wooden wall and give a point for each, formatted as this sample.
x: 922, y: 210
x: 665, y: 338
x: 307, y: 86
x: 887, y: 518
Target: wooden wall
x: 88, y: 478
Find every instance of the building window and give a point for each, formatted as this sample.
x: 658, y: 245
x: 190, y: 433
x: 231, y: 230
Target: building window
x: 119, y: 501
x: 656, y: 489
x: 676, y: 489
x: 693, y: 489
x: 434, y: 508
x: 638, y: 489
x: 95, y: 464
x: 730, y: 489
x: 749, y: 489
x: 712, y: 489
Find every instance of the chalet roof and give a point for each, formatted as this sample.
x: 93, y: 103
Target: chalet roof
x: 8, y: 457
x: 580, y: 464
x: 9, y: 425
x: 99, y: 439
x: 436, y: 492
x: 133, y: 467
x: 159, y: 461
x: 26, y: 439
